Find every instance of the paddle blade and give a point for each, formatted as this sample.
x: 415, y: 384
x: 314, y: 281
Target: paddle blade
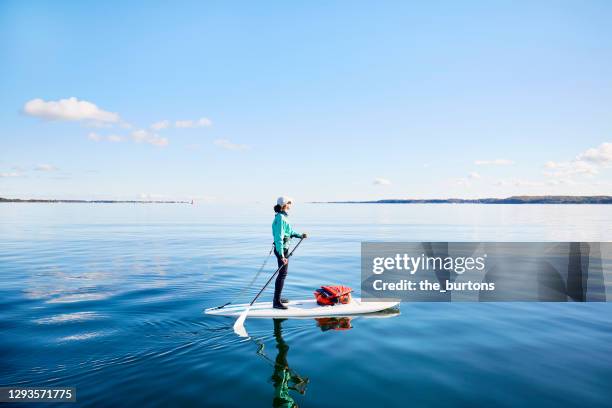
x: 239, y: 328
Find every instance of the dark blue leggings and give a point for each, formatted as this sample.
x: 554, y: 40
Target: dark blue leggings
x: 280, y: 278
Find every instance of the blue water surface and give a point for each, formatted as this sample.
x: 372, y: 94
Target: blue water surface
x: 108, y: 298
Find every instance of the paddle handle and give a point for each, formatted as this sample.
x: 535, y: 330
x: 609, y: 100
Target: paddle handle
x: 274, y: 274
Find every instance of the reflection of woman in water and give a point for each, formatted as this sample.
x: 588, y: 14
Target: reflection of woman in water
x: 283, y: 378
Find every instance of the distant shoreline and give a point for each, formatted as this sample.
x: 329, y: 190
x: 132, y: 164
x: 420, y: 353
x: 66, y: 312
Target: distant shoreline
x: 33, y: 200
x: 509, y: 200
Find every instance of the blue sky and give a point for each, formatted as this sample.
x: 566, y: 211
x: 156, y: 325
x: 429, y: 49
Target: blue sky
x: 318, y: 100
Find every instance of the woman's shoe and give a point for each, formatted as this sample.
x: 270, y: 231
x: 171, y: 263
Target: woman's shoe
x: 280, y: 306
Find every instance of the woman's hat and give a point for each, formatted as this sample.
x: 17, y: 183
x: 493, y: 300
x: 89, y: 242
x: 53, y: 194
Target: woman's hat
x: 282, y: 200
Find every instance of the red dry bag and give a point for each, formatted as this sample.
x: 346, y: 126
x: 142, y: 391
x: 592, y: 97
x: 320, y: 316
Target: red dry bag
x: 330, y: 295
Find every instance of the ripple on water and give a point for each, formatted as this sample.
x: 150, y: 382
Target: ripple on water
x: 81, y: 297
x: 70, y: 317
x: 86, y: 335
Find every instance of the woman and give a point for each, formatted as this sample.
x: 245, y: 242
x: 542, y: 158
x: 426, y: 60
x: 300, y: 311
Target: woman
x: 282, y: 232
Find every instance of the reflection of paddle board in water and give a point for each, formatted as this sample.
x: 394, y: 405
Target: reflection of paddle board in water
x: 303, y: 308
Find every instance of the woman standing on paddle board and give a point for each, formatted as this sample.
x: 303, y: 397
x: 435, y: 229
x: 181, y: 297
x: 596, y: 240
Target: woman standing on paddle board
x: 282, y: 233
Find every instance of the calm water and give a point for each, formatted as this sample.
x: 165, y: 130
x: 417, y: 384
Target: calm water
x: 109, y: 298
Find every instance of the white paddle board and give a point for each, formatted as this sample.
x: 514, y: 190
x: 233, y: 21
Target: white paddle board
x: 303, y: 308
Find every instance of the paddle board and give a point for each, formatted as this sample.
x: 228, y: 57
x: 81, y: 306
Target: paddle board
x: 303, y: 308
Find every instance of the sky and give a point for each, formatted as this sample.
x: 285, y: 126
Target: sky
x: 234, y: 101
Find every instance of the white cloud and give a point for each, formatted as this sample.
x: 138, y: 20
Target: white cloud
x: 70, y: 109
x: 599, y: 155
x: 381, y: 182
x: 553, y: 165
x: 563, y: 169
x: 566, y: 169
x: 158, y: 141
x: 10, y: 174
x: 94, y: 136
x: 587, y: 163
x: 495, y: 162
x: 467, y: 181
x: 226, y: 144
x: 162, y: 124
x: 202, y: 122
x: 45, y: 167
x: 184, y: 123
x: 138, y: 136
x: 142, y: 135
x: 110, y: 138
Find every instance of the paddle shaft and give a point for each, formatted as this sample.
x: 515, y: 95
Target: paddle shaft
x: 274, y: 274
x: 250, y: 284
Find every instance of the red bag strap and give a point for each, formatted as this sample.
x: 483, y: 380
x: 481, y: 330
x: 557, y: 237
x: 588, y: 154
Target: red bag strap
x: 337, y: 290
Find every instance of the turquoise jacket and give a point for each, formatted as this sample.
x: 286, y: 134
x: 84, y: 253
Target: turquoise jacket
x: 282, y: 232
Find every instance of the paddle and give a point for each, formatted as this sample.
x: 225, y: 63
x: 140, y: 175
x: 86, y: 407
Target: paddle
x: 239, y: 325
x: 249, y: 285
